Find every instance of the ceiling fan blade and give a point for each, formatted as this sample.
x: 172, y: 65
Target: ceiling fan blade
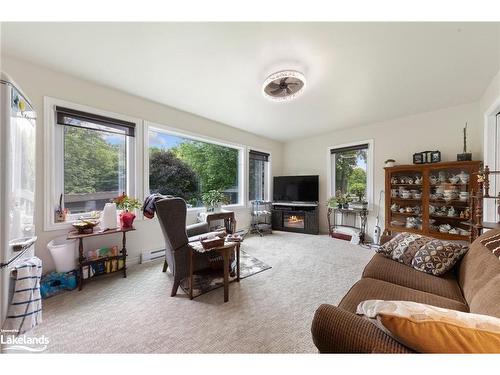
x: 283, y: 81
x: 273, y: 86
x: 277, y: 91
x: 293, y: 84
x: 288, y: 90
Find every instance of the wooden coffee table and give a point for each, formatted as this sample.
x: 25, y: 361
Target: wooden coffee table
x: 226, y: 251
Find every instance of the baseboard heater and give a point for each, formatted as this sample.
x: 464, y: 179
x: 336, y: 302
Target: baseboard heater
x: 152, y: 255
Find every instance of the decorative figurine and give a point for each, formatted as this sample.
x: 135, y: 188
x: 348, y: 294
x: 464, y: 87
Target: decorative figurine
x: 465, y: 156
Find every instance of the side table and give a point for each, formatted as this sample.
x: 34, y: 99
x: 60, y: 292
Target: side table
x: 226, y: 251
x: 227, y: 216
x: 345, y: 215
x: 82, y: 261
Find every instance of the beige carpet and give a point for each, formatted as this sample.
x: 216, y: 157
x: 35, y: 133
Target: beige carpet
x: 270, y: 312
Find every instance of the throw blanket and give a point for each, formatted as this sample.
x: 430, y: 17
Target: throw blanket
x: 149, y: 206
x: 25, y: 310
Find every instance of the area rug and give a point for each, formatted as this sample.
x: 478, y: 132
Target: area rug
x: 205, y: 282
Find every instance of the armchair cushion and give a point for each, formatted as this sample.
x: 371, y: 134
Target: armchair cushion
x: 207, y: 235
x: 385, y: 269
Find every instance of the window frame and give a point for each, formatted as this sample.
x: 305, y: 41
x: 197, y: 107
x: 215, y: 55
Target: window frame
x: 369, y: 169
x: 54, y: 158
x: 491, y: 156
x: 242, y: 160
x: 267, y: 174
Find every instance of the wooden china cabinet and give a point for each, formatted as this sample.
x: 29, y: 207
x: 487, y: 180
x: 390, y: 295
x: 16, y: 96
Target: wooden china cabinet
x: 431, y: 199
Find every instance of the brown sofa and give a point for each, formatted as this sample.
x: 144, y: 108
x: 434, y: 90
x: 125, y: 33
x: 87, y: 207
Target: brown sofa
x: 473, y: 285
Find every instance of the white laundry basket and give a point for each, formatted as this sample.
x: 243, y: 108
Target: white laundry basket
x: 63, y: 252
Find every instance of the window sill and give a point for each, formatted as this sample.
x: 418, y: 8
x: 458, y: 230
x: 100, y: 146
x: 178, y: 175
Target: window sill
x: 229, y: 207
x: 68, y: 225
x: 51, y: 227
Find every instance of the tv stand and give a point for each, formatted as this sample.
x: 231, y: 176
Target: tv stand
x: 298, y: 217
x: 296, y: 204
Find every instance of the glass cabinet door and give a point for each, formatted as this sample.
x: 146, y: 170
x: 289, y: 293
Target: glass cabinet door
x: 449, y: 210
x: 406, y: 200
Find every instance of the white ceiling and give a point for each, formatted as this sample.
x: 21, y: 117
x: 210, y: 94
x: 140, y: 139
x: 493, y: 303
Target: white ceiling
x: 357, y: 73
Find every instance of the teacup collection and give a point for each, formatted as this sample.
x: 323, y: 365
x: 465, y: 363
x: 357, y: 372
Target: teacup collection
x: 449, y: 211
x: 445, y: 189
x: 461, y: 178
x: 408, y: 210
x: 404, y: 193
x: 414, y: 222
x: 409, y: 180
x: 447, y: 228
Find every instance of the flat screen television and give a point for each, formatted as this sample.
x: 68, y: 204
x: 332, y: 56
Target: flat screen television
x: 296, y: 189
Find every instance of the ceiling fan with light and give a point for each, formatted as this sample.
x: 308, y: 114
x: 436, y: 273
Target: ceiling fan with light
x: 284, y: 85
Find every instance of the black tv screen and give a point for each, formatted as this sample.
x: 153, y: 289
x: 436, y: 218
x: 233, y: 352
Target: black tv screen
x: 296, y: 189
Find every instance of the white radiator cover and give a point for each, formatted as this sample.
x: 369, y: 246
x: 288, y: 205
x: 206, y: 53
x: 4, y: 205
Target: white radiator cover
x: 152, y: 255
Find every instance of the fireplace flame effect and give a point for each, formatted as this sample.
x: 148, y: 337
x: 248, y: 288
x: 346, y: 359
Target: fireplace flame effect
x: 294, y: 219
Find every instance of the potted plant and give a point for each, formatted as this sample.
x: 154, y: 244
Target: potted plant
x: 342, y: 199
x: 332, y: 202
x: 127, y: 205
x: 213, y: 200
x: 347, y: 199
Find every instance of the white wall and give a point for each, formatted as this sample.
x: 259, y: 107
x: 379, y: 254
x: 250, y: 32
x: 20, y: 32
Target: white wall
x: 398, y: 139
x: 38, y: 82
x: 491, y: 94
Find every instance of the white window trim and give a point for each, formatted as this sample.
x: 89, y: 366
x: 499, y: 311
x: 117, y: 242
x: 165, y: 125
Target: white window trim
x: 242, y: 160
x: 492, y: 158
x: 369, y: 170
x: 53, y: 166
x: 268, y: 181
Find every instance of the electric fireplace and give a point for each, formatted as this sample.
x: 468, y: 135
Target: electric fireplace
x: 294, y: 220
x: 298, y: 217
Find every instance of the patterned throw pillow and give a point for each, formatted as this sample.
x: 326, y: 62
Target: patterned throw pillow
x: 403, y: 247
x: 437, y: 257
x: 492, y: 243
x: 430, y: 329
x: 423, y: 253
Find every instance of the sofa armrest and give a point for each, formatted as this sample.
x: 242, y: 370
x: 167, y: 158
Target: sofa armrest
x: 339, y: 331
x: 197, y: 229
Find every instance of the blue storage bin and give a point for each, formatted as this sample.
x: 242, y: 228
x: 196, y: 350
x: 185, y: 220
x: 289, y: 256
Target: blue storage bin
x: 56, y: 282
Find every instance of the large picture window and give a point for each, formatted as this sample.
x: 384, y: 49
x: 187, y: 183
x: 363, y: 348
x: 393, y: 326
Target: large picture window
x: 350, y: 170
x: 258, y: 178
x: 92, y: 155
x: 187, y: 167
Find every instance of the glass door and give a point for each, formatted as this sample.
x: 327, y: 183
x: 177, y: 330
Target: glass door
x: 406, y: 192
x: 449, y: 189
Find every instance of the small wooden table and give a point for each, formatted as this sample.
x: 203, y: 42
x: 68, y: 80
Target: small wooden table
x: 227, y: 216
x: 82, y: 261
x: 226, y: 251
